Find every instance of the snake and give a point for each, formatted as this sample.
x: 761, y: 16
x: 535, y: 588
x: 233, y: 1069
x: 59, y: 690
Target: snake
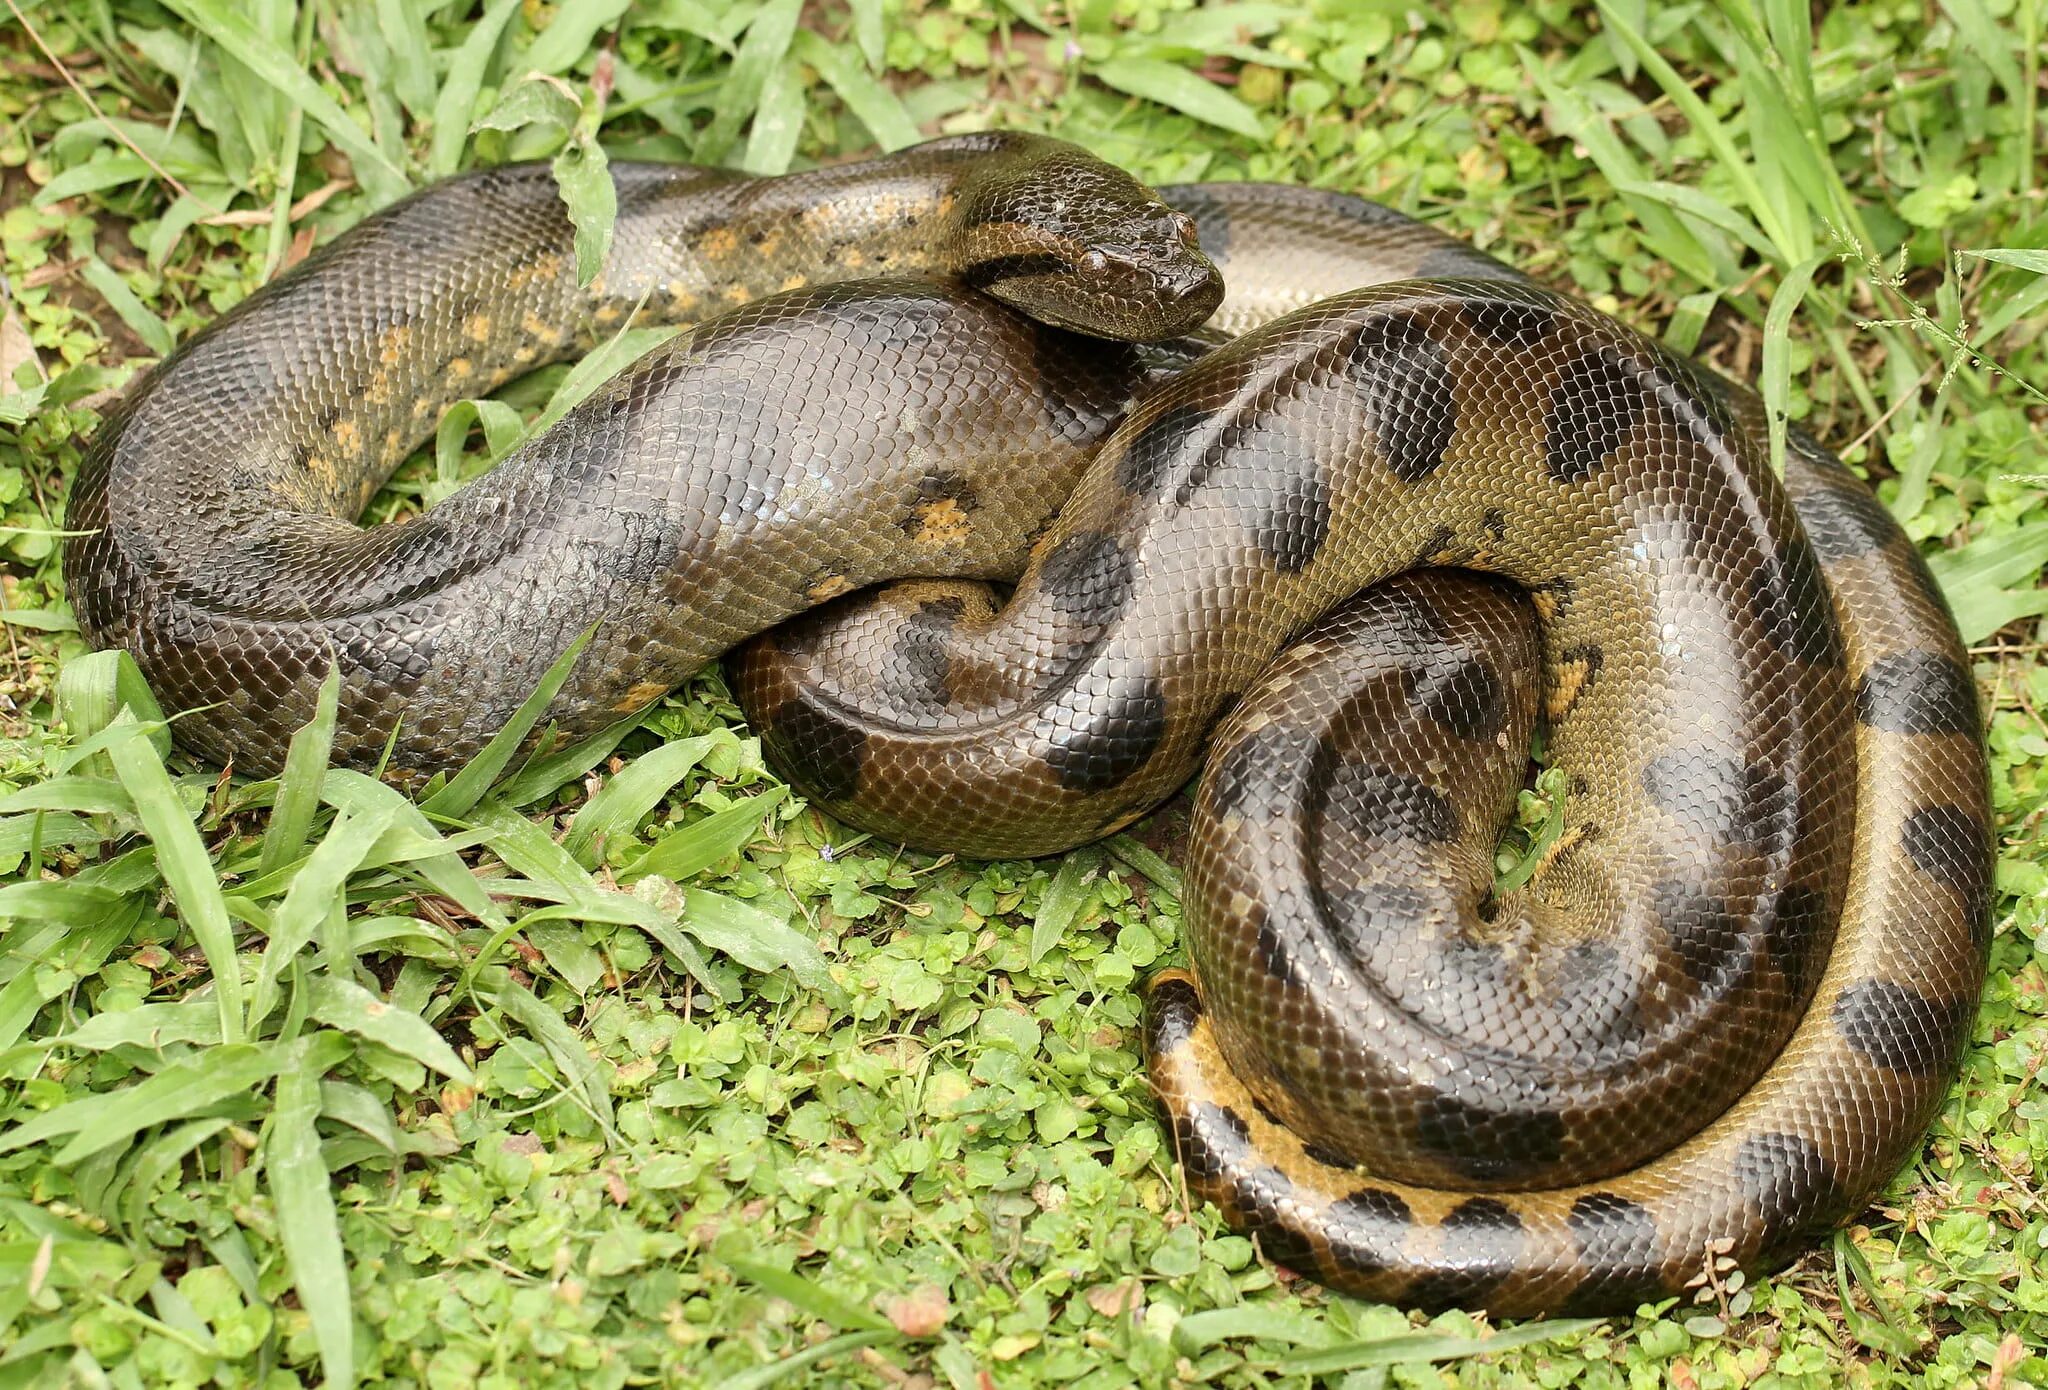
x: 1269, y: 475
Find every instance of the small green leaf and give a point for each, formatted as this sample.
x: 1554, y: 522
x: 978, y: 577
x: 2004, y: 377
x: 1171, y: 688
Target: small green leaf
x: 1174, y: 86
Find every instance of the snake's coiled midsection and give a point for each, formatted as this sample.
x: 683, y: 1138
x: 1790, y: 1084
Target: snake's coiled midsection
x: 1721, y: 1010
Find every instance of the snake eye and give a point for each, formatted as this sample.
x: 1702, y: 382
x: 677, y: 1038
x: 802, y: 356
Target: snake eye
x: 1094, y: 262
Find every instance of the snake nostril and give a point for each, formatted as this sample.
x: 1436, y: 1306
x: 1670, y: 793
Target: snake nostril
x: 1184, y: 228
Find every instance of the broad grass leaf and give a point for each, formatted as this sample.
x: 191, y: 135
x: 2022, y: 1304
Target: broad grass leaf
x: 685, y: 853
x: 760, y: 54
x: 608, y: 818
x: 182, y: 1089
x: 302, y: 1192
x: 1062, y: 899
x: 468, y: 786
x: 298, y: 786
x: 871, y: 103
x: 1175, y: 87
x: 1411, y: 1348
x: 455, y: 104
x: 807, y: 1296
x: 352, y: 1009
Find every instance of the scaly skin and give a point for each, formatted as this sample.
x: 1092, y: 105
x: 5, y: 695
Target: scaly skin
x: 1728, y: 1004
x: 1722, y: 1011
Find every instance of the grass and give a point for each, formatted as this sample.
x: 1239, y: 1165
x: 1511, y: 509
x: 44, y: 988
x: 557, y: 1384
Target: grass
x: 628, y: 1067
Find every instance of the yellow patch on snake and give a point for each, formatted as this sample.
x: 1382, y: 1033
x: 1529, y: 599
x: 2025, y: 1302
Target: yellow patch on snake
x: 941, y: 521
x: 795, y: 282
x: 460, y: 366
x: 546, y: 268
x: 718, y: 243
x: 1571, y: 682
x: 348, y: 434
x: 642, y: 694
x: 477, y: 328
x: 391, y: 347
x: 830, y: 587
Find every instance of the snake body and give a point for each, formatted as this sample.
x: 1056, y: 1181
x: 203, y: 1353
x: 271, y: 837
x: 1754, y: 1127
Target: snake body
x: 1716, y: 1018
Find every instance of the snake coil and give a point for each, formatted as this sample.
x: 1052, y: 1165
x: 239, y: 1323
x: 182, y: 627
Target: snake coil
x: 1415, y: 513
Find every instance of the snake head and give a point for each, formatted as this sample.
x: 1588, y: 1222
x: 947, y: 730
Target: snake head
x: 1080, y: 244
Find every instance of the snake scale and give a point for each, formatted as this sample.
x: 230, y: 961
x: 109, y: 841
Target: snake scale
x: 1414, y: 512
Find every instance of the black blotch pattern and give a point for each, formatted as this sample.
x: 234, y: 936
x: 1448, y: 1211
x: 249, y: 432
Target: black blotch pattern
x: 1114, y: 740
x: 1722, y: 798
x: 1918, y: 693
x: 1274, y: 957
x: 1327, y: 1156
x: 1367, y: 1227
x: 814, y: 749
x: 1280, y: 1244
x: 1087, y: 577
x: 1485, y: 1144
x: 1374, y: 803
x: 1175, y: 1008
x: 1901, y: 1029
x: 1404, y: 383
x: 1593, y: 659
x: 1706, y: 937
x: 1295, y: 521
x: 1154, y: 450
x: 1617, y: 1241
x: 1952, y: 846
x: 1791, y: 1185
x: 919, y: 663
x: 1481, y: 1243
x: 1792, y: 607
x: 1845, y: 520
x: 1458, y: 691
x: 1495, y: 523
x: 1264, y: 771
x: 1593, y: 408
x: 1510, y: 324
x: 1212, y: 1139
x: 1800, y: 919
x: 1437, y: 546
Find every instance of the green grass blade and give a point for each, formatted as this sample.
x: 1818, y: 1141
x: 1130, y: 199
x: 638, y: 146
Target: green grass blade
x: 353, y: 1009
x: 808, y: 1296
x: 1063, y: 898
x: 608, y: 818
x: 298, y: 787
x: 1411, y: 1348
x: 232, y: 29
x: 1777, y: 370
x: 1174, y: 86
x: 302, y: 1192
x: 456, y: 102
x: 468, y: 786
x: 688, y: 852
x: 758, y: 940
x: 179, y: 1091
x: 187, y: 869
x: 760, y: 54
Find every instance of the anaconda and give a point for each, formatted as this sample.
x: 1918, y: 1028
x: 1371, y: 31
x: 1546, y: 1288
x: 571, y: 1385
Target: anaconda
x: 1716, y: 1018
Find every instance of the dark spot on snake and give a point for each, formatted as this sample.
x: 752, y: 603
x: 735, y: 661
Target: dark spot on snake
x: 1553, y: 597
x: 1901, y: 1029
x: 1114, y: 738
x: 1366, y: 1229
x: 1278, y: 1242
x: 1375, y: 803
x: 1327, y: 1156
x: 1480, y: 1246
x: 940, y: 486
x: 1952, y: 846
x: 993, y: 270
x: 1800, y: 922
x: 1495, y: 523
x: 1722, y: 799
x: 1271, y: 948
x: 1845, y: 520
x: 1262, y: 772
x: 638, y: 550
x: 1295, y: 523
x: 1458, y: 691
x: 1153, y: 452
x: 1617, y: 1242
x: 1791, y: 1185
x: 919, y: 661
x: 1404, y: 383
x: 1437, y: 546
x: 1595, y: 405
x: 816, y: 750
x: 1706, y: 937
x: 1175, y: 1009
x: 1087, y: 577
x: 1510, y: 324
x: 1212, y: 1139
x: 1918, y: 693
x: 1264, y: 1111
x: 1483, y: 1143
x: 1792, y: 607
